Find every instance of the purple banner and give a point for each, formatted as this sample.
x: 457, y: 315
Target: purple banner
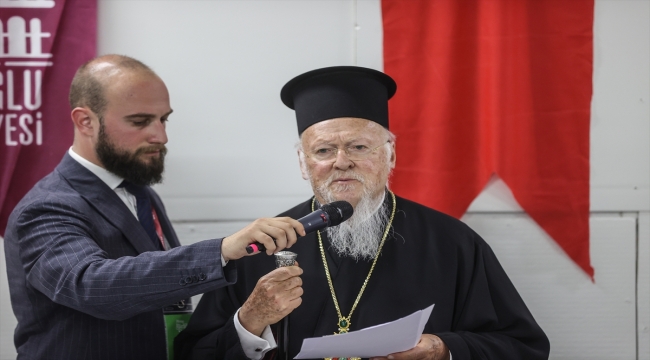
x: 42, y: 43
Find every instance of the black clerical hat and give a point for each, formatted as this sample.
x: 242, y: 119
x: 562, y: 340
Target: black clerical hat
x: 339, y: 91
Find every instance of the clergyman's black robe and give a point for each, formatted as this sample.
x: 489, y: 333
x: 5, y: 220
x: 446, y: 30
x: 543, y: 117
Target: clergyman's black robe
x: 428, y: 258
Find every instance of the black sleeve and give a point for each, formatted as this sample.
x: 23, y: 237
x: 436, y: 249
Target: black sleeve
x: 211, y: 332
x: 492, y: 320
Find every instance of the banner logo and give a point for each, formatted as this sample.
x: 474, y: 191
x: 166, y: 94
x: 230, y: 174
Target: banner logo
x: 23, y: 60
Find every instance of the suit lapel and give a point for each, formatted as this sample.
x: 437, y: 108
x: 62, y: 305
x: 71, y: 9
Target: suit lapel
x: 106, y: 202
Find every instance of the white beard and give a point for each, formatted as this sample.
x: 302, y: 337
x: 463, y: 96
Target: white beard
x: 359, y: 236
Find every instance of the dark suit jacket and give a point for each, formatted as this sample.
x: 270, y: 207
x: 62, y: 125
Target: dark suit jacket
x: 86, y: 281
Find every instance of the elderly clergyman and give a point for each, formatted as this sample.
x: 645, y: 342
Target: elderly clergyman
x: 393, y: 257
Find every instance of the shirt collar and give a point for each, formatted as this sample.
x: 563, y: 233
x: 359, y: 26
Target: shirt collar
x: 112, y: 180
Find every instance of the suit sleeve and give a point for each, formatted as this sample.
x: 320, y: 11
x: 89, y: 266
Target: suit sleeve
x: 62, y: 261
x: 492, y: 320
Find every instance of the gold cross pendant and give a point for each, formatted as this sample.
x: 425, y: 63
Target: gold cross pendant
x: 344, y: 325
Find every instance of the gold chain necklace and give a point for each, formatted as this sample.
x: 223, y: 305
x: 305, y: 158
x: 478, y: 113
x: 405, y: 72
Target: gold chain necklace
x: 344, y: 322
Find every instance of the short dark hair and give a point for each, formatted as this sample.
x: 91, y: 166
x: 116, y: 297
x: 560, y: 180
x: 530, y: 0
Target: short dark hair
x: 87, y: 90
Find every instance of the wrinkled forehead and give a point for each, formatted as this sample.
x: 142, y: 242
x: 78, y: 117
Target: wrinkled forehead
x: 343, y: 131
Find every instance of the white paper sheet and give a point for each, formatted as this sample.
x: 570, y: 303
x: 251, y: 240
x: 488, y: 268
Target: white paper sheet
x: 379, y: 340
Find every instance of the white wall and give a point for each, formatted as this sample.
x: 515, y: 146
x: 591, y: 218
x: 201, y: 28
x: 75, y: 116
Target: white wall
x: 231, y: 155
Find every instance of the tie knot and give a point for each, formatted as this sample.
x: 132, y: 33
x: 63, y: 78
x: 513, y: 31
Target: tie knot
x: 135, y: 190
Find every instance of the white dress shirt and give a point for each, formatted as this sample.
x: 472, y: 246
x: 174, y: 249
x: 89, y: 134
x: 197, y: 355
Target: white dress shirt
x: 254, y: 347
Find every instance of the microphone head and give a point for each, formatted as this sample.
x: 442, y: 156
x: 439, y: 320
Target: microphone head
x: 337, y: 211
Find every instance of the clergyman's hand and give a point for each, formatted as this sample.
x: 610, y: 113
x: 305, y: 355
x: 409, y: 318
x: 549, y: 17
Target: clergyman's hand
x: 275, y: 233
x: 274, y: 297
x: 430, y: 347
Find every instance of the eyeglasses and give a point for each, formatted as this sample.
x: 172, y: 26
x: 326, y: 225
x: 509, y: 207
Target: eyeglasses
x: 354, y: 152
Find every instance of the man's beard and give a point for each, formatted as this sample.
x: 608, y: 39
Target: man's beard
x: 358, y: 237
x: 127, y: 164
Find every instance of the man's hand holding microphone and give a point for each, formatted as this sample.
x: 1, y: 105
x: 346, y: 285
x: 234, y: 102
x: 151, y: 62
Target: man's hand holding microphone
x: 274, y: 233
x: 279, y: 292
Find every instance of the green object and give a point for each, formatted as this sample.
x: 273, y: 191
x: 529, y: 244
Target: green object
x: 174, y: 324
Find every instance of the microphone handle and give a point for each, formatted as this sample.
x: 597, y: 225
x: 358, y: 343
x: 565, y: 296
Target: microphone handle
x: 283, y: 339
x: 283, y: 325
x: 316, y: 220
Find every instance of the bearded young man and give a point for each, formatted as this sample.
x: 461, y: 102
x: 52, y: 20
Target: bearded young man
x: 92, y: 258
x: 391, y: 258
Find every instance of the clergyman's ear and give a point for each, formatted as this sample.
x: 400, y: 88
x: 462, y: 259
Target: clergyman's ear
x: 393, y: 155
x: 303, y: 165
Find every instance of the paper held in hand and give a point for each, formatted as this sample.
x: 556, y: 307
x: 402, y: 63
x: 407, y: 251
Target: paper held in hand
x: 380, y: 340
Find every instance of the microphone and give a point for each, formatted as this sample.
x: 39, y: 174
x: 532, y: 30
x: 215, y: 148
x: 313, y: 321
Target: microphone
x: 282, y: 259
x: 330, y: 214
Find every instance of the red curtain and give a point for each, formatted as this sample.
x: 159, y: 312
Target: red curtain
x: 494, y: 87
x: 42, y: 44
